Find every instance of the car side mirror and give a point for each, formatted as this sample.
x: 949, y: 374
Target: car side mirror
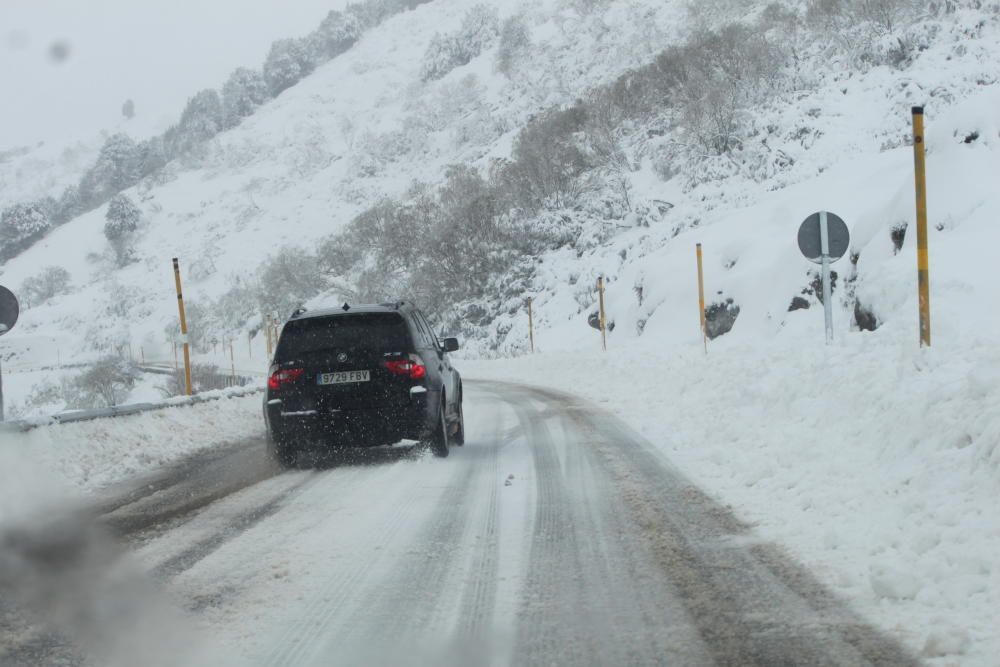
x: 450, y: 344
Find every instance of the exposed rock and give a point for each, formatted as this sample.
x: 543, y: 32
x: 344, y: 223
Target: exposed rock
x: 798, y: 303
x: 864, y: 317
x: 720, y: 318
x: 898, y: 235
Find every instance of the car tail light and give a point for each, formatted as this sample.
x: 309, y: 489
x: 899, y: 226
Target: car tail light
x: 412, y: 367
x: 284, y: 376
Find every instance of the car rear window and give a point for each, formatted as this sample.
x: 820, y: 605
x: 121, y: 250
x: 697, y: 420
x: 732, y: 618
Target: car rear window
x: 383, y: 332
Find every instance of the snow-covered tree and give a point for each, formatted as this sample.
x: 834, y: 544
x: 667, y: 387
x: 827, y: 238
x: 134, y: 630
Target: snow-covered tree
x: 128, y: 109
x: 68, y: 207
x: 122, y: 221
x: 151, y: 156
x: 337, y: 33
x: 479, y: 30
x: 116, y: 169
x: 287, y: 63
x: 442, y: 55
x: 200, y: 121
x: 20, y: 226
x: 372, y: 12
x: 245, y: 90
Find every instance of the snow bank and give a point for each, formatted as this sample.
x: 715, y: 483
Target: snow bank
x: 89, y: 455
x: 875, y: 463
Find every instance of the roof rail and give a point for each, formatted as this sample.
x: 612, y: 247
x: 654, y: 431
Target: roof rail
x: 299, y: 311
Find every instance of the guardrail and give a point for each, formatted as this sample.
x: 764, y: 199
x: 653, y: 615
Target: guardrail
x: 126, y: 410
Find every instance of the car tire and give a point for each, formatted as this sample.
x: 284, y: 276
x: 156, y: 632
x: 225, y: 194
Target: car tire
x: 459, y: 437
x: 281, y: 451
x: 439, y: 436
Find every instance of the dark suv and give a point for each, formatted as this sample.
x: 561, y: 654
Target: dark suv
x: 362, y: 375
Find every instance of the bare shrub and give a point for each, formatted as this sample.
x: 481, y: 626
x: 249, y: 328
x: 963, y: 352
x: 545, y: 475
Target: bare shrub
x: 862, y: 26
x: 885, y: 16
x: 288, y: 278
x: 106, y: 383
x: 279, y: 285
x: 46, y: 397
x: 548, y: 161
x: 388, y: 240
x: 703, y: 13
x: 199, y: 330
x: 714, y: 78
x: 515, y: 41
x: 51, y: 282
x: 239, y: 304
x: 603, y: 131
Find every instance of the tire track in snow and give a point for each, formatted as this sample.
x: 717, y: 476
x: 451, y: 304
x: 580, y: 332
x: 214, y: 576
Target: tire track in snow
x: 752, y: 605
x: 589, y: 599
x: 190, y: 486
x: 480, y: 597
x: 301, y: 643
x: 239, y: 524
x: 417, y: 586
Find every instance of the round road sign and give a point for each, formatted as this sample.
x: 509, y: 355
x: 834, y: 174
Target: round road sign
x: 811, y: 245
x: 9, y: 310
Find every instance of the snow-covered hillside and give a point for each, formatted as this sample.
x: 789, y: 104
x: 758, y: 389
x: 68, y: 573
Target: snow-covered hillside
x: 306, y: 163
x: 907, y: 435
x: 365, y: 126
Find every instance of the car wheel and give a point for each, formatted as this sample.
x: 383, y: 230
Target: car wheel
x: 439, y: 437
x: 281, y: 451
x: 459, y: 437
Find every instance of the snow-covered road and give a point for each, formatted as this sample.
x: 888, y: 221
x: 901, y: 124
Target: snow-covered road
x: 555, y: 536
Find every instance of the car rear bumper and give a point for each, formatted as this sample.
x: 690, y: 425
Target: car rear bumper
x: 371, y: 426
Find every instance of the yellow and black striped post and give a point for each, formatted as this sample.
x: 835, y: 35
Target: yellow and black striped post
x: 923, y: 262
x: 531, y: 326
x: 701, y: 299
x: 184, y: 329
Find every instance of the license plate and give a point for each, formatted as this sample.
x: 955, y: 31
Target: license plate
x: 344, y: 377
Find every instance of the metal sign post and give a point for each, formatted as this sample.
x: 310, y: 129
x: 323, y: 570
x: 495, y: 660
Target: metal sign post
x: 9, y: 310
x: 823, y: 239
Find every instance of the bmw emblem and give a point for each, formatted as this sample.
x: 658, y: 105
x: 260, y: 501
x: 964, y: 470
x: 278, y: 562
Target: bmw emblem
x: 342, y: 357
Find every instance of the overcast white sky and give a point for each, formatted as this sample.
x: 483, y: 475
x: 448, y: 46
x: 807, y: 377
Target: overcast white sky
x: 156, y: 52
